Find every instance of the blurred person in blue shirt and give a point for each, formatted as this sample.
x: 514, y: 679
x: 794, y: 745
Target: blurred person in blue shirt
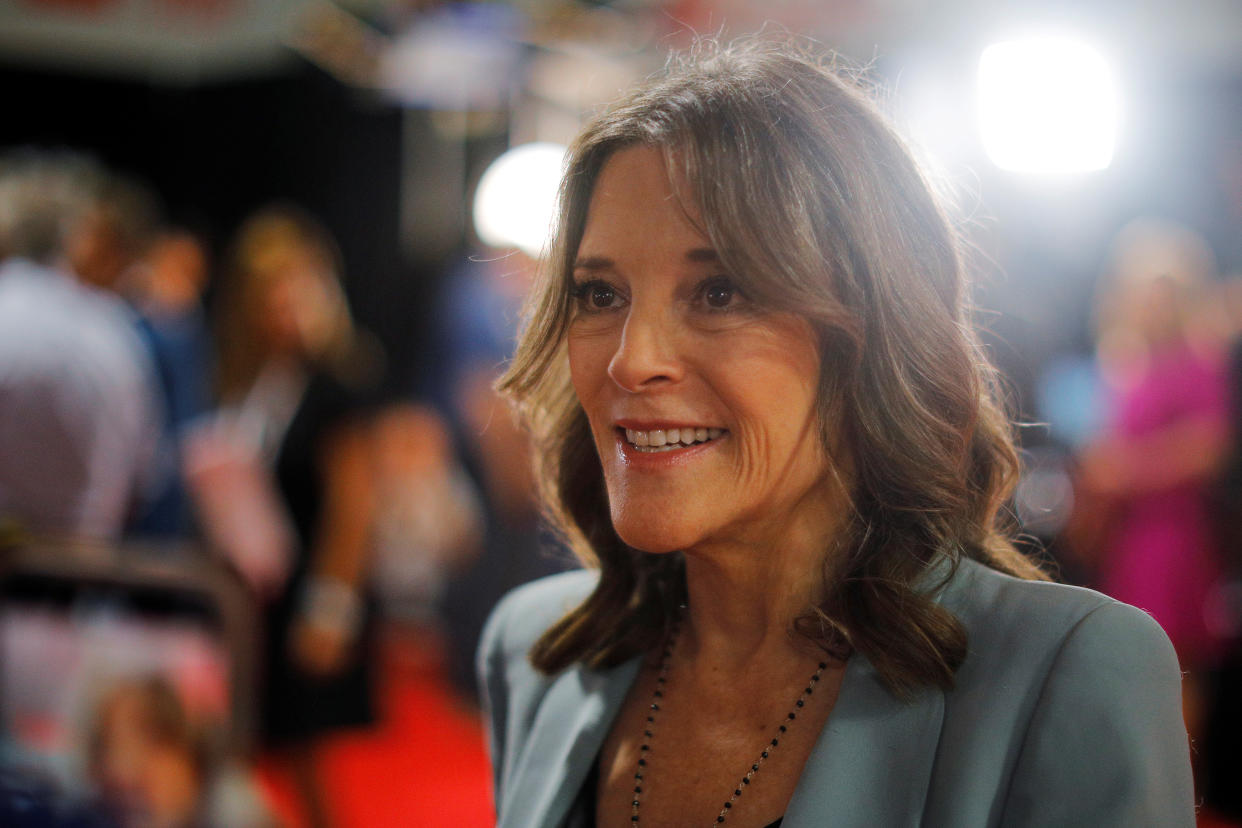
x: 121, y: 246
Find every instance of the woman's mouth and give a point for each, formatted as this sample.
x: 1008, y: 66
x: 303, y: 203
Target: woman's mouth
x: 669, y: 439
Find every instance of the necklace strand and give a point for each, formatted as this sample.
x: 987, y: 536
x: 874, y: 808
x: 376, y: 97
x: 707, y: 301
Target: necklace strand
x: 654, y: 709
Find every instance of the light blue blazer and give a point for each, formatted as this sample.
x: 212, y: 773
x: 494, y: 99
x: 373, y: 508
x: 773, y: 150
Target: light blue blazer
x: 1066, y: 712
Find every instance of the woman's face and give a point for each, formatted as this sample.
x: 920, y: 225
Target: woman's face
x: 702, y: 404
x: 295, y: 308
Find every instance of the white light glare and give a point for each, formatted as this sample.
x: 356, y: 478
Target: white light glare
x: 1047, y: 106
x: 515, y: 203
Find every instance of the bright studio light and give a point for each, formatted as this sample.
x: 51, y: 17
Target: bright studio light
x: 1047, y: 106
x: 516, y: 200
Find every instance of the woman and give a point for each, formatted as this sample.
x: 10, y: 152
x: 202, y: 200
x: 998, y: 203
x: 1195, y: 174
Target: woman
x: 1166, y: 434
x: 292, y: 369
x: 761, y: 416
x: 1147, y: 476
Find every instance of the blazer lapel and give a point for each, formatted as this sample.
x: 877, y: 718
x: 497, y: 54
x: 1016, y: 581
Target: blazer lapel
x: 873, y: 761
x: 569, y: 729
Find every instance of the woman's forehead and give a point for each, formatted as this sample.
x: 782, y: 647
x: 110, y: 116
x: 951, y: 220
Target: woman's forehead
x: 635, y: 168
x: 636, y: 209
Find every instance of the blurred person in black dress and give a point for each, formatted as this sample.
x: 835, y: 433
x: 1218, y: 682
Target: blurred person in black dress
x: 292, y: 366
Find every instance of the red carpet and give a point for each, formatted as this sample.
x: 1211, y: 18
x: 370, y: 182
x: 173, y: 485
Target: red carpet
x: 424, y: 765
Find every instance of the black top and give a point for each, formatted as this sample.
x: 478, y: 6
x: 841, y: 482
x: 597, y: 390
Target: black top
x: 297, y: 706
x: 582, y: 812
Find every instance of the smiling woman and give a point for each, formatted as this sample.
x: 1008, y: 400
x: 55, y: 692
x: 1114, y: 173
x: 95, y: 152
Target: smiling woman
x: 662, y: 345
x: 761, y: 415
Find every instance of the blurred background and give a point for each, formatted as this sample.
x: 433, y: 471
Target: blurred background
x: 262, y: 260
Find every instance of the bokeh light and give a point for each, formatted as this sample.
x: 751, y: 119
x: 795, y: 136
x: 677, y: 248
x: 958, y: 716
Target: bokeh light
x: 1047, y: 105
x: 515, y: 203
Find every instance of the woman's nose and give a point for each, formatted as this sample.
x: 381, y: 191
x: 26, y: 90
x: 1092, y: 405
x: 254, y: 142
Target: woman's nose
x: 647, y: 354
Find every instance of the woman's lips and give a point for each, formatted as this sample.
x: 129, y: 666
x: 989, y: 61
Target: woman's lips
x: 663, y: 446
x: 656, y: 440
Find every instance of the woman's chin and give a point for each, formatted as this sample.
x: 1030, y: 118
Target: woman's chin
x: 654, y: 539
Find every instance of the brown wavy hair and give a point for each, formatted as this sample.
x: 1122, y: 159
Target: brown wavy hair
x: 813, y: 205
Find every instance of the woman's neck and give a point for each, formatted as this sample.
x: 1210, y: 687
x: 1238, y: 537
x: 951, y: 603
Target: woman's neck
x: 743, y: 599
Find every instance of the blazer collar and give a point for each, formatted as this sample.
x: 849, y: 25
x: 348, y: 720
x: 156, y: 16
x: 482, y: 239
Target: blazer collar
x: 873, y: 761
x: 569, y: 730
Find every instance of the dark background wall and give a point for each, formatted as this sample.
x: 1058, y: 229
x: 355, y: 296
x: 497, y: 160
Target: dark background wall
x: 216, y: 152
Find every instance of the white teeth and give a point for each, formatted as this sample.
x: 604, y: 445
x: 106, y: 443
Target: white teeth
x: 660, y: 439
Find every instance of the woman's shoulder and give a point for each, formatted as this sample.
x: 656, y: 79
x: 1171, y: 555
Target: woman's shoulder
x: 336, y: 395
x: 1074, y: 697
x: 512, y: 689
x: 994, y: 605
x: 1041, y: 635
x: 526, y: 612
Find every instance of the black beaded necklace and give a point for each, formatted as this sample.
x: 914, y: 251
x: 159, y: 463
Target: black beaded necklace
x: 649, y: 732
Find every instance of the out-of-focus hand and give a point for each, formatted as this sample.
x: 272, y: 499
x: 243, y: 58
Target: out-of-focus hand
x: 319, y: 650
x: 1102, y: 469
x: 327, y: 625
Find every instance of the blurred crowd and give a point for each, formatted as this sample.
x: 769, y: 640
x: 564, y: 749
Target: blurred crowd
x: 179, y: 424
x: 202, y: 462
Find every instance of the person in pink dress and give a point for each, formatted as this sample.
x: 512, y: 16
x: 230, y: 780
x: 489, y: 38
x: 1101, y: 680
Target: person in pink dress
x: 1164, y: 441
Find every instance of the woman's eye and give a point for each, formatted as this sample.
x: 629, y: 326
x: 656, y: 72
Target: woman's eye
x: 719, y: 293
x: 601, y: 295
x: 596, y: 295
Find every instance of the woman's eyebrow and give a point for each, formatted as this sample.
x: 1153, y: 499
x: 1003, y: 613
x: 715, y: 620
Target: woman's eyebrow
x: 705, y: 255
x: 594, y: 263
